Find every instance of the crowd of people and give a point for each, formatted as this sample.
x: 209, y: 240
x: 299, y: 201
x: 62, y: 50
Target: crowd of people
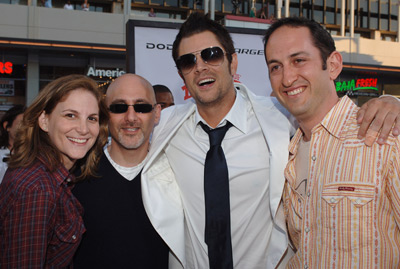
x: 227, y: 181
x: 68, y: 5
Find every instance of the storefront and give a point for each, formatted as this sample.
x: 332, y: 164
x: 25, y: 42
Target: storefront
x: 12, y: 78
x: 101, y: 68
x: 24, y: 70
x: 362, y: 83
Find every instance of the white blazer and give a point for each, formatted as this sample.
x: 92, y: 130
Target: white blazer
x: 160, y: 191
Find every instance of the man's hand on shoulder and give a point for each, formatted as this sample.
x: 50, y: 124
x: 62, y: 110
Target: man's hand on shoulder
x: 378, y: 116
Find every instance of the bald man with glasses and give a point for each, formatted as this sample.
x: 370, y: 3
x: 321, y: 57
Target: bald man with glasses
x: 119, y: 233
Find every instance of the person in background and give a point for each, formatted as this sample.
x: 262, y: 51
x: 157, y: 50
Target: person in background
x: 119, y: 233
x: 9, y: 124
x: 65, y: 128
x: 253, y: 12
x: 85, y: 5
x: 47, y: 3
x: 341, y: 197
x: 152, y: 13
x: 164, y: 96
x: 68, y: 5
x: 262, y: 14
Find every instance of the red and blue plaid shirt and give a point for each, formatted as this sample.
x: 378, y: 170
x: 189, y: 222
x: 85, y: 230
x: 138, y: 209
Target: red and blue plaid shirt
x: 40, y: 220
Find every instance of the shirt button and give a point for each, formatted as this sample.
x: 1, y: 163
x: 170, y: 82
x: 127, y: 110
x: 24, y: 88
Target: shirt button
x: 308, y: 194
x: 74, y: 237
x: 307, y: 230
x: 358, y: 201
x: 333, y: 200
x: 68, y: 180
x: 305, y: 266
x: 299, y: 200
x: 313, y: 158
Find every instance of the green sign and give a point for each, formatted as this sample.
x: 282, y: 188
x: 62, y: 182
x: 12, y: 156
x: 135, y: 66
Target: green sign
x: 356, y: 85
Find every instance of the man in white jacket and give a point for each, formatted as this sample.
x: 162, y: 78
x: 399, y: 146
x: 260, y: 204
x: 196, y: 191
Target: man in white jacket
x: 255, y: 149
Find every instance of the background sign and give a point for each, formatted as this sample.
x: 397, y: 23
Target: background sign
x: 6, y: 87
x: 151, y: 47
x: 6, y: 67
x: 357, y: 84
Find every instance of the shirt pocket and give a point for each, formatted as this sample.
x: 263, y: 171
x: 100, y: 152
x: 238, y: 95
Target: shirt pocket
x: 65, y: 240
x: 358, y: 193
x: 70, y: 232
x: 348, y: 210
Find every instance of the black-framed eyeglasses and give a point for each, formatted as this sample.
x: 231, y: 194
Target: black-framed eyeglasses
x: 212, y: 56
x: 139, y: 108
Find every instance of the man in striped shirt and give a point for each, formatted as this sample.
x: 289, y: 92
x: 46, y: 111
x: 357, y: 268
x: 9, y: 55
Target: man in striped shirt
x: 341, y: 197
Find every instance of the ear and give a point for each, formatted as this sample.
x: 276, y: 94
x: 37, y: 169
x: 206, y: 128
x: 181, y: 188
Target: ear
x: 44, y: 122
x: 5, y: 125
x: 234, y: 64
x: 334, y: 64
x: 157, y: 111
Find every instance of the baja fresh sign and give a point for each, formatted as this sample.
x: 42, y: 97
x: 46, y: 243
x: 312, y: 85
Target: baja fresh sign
x: 357, y: 84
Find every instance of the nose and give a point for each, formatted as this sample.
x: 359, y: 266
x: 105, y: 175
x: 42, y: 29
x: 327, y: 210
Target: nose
x: 83, y: 127
x: 289, y: 76
x: 131, y: 114
x: 200, y: 64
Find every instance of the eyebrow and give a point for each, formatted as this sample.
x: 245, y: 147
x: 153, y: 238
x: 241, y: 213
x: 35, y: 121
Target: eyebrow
x: 290, y: 56
x: 69, y: 110
x: 76, y: 111
x: 140, y: 100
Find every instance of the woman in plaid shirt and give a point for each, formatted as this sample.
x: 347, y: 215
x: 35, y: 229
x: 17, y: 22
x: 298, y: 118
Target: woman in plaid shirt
x: 40, y: 220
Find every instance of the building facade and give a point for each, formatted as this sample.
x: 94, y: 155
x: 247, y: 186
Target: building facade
x: 39, y: 44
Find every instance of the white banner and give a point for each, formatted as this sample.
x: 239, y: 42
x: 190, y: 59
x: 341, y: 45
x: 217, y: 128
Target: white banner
x: 153, y: 61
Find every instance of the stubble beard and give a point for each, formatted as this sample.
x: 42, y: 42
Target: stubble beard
x: 131, y: 141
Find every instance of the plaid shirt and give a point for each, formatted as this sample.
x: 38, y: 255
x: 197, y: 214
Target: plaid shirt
x: 40, y: 220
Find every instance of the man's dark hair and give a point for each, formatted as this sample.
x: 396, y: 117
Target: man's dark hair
x: 9, y: 117
x: 320, y: 37
x: 159, y: 88
x: 198, y: 23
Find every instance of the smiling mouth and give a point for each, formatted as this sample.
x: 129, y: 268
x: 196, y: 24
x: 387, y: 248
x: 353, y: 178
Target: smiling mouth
x: 296, y: 91
x: 131, y: 129
x: 78, y: 140
x: 206, y: 81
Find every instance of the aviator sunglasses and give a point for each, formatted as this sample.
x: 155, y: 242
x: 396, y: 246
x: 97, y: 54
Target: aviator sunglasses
x: 139, y: 108
x: 212, y: 56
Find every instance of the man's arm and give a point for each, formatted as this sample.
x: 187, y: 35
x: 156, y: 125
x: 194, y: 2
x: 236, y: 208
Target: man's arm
x: 378, y: 116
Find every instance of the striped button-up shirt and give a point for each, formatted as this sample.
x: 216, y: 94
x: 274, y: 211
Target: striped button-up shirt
x: 350, y: 215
